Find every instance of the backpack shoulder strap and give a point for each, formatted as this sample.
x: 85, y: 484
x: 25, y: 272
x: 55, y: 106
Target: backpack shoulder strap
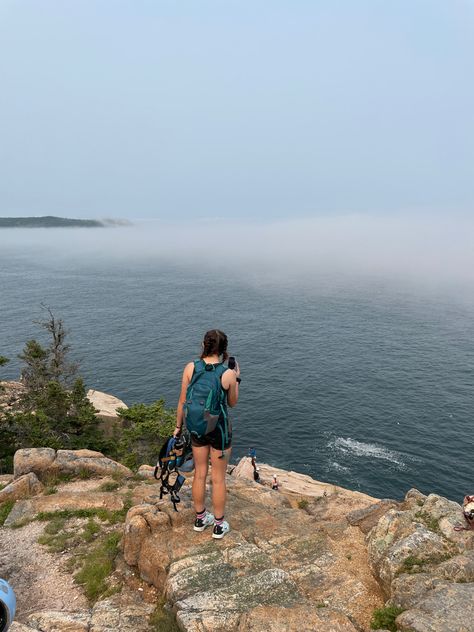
x: 220, y: 370
x: 199, y: 368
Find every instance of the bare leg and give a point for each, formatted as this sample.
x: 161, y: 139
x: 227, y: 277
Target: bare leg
x: 219, y: 470
x: 201, y: 465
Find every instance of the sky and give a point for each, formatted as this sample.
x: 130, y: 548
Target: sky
x: 237, y: 110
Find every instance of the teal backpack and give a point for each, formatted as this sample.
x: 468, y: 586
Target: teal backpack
x: 206, y: 401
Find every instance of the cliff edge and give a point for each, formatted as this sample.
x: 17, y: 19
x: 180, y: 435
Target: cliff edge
x: 90, y: 547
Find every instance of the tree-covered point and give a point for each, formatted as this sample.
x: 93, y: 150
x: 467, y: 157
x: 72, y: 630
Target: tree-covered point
x: 48, y: 221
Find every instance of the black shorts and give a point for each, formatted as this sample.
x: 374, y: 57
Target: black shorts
x: 214, y: 438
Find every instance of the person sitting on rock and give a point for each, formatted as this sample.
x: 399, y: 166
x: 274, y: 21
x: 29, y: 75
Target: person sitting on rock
x: 275, y: 484
x: 215, y: 444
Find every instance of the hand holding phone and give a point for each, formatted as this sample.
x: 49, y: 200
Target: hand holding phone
x: 234, y: 365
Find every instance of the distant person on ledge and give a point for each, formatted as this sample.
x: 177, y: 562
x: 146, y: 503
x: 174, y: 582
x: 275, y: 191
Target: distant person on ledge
x: 275, y: 483
x: 208, y: 387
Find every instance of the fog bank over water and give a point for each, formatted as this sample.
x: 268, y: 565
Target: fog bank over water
x: 434, y: 251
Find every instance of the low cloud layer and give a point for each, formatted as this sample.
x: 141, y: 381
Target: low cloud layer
x: 418, y: 248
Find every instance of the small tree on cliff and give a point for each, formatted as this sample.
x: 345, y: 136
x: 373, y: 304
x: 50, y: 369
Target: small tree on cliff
x: 53, y: 411
x: 42, y: 365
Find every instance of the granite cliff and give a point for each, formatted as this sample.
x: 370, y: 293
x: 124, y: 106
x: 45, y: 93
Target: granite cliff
x: 311, y: 556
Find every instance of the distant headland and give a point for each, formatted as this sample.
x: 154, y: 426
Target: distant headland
x: 50, y: 221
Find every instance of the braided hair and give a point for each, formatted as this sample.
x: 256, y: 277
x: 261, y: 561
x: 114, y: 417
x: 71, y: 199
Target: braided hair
x: 214, y: 343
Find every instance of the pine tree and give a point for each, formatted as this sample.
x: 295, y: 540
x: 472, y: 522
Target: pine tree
x: 53, y: 411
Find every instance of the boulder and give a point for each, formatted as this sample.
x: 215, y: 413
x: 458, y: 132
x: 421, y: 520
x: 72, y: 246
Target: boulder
x: 392, y: 526
x: 95, y: 463
x: 146, y: 471
x: 141, y: 521
x: 23, y: 487
x: 28, y: 509
x: 437, y: 507
x: 414, y: 499
x: 445, y: 609
x: 135, y: 532
x: 60, y: 621
x: 271, y: 586
x: 399, y: 543
x: 422, y: 545
x: 459, y: 568
x: 423, y: 565
x: 120, y: 614
x: 106, y: 405
x: 407, y: 590
x: 244, y: 469
x: 153, y: 560
x: 37, y: 460
x: 443, y: 515
x: 367, y: 517
x: 296, y: 485
x: 45, y: 462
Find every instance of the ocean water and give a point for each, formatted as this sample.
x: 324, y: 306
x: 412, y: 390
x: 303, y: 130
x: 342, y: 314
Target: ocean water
x: 363, y: 382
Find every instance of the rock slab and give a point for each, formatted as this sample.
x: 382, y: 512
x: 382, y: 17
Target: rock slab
x: 46, y: 462
x: 23, y: 487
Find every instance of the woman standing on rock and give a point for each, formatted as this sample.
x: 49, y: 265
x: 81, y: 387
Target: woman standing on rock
x: 207, y: 388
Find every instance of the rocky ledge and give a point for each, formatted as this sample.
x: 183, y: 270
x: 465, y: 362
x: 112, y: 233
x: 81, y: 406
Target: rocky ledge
x: 311, y: 556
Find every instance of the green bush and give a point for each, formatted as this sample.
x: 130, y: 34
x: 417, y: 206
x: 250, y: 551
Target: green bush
x: 145, y: 429
x: 384, y: 618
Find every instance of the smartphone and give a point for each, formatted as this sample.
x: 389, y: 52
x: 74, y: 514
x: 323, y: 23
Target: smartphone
x: 231, y: 362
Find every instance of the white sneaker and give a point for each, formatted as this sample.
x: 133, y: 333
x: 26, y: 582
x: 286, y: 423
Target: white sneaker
x: 201, y: 523
x: 220, y: 530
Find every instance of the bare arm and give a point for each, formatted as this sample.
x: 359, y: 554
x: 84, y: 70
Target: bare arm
x: 230, y: 384
x: 187, y: 376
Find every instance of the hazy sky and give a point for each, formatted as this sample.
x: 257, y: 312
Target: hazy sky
x: 249, y: 109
